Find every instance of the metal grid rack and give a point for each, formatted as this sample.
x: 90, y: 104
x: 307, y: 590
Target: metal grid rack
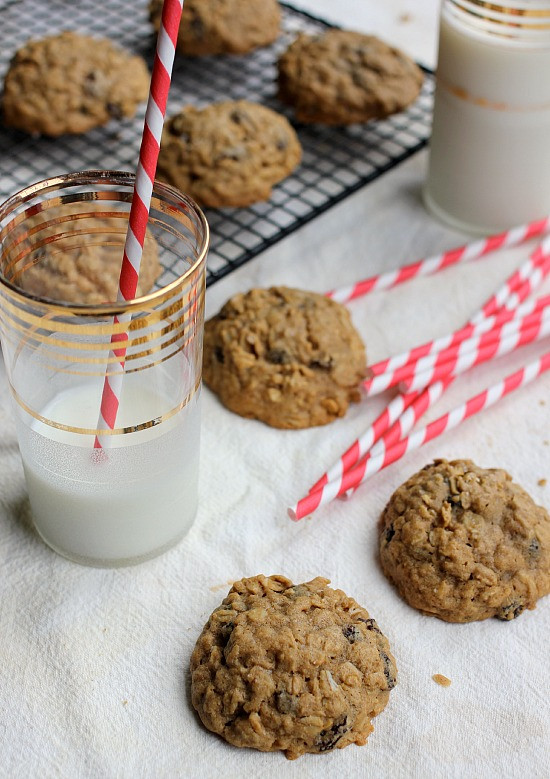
x: 336, y: 161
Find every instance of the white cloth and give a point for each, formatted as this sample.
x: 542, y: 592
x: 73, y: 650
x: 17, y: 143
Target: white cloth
x: 94, y: 663
x: 93, y: 671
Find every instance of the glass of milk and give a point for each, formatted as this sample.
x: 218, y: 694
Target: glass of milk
x: 137, y: 497
x: 489, y: 160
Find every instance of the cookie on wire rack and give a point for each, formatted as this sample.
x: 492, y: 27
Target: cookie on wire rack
x: 70, y: 83
x: 77, y: 255
x: 230, y: 153
x: 341, y: 77
x: 298, y: 668
x: 223, y: 26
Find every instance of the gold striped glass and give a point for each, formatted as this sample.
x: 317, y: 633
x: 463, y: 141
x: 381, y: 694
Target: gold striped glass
x: 61, y: 244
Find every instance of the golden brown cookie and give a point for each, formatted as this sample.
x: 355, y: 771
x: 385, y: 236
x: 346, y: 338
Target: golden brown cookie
x: 342, y: 77
x: 227, y: 154
x: 290, y: 358
x: 223, y: 26
x: 300, y: 668
x: 69, y: 83
x: 83, y: 268
x: 465, y: 543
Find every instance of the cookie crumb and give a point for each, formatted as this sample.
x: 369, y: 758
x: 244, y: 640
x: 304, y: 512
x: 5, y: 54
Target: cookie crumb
x: 442, y: 680
x: 542, y: 403
x: 542, y: 482
x: 216, y: 587
x: 124, y: 702
x: 546, y: 443
x: 404, y: 18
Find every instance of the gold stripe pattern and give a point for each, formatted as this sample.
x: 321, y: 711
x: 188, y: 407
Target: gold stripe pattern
x: 117, y: 431
x: 462, y: 94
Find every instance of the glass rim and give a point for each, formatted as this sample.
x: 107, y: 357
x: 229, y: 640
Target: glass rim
x: 527, y: 8
x: 113, y: 178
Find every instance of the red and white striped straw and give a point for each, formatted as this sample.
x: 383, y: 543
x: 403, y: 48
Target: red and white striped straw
x: 371, y: 465
x: 426, y: 267
x: 470, y: 330
x: 372, y: 434
x: 478, y: 356
x: 424, y: 400
x: 500, y: 339
x: 391, y: 417
x: 427, y: 397
x: 139, y: 209
x: 529, y: 274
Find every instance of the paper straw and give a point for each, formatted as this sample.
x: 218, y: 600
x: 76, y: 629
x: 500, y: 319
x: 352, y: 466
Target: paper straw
x: 431, y: 394
x: 523, y: 309
x: 426, y: 398
x: 530, y: 273
x: 526, y: 289
x: 426, y: 267
x: 361, y: 445
x: 501, y: 339
x: 139, y: 209
x: 403, y: 426
x: 533, y: 272
x: 504, y: 316
x: 478, y: 356
x: 371, y: 465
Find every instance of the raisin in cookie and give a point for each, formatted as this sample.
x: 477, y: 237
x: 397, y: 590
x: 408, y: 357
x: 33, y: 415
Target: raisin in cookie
x: 342, y: 77
x: 298, y: 668
x: 83, y: 268
x: 287, y: 357
x: 223, y: 26
x: 227, y: 154
x: 465, y: 543
x: 69, y: 83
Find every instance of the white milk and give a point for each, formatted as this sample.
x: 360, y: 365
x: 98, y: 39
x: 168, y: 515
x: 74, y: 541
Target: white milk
x: 489, y: 166
x: 137, y: 502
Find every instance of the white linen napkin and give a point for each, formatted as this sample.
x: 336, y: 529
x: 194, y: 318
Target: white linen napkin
x: 94, y: 663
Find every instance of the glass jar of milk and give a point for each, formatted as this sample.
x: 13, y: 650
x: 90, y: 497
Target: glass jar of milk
x: 137, y: 496
x: 489, y: 160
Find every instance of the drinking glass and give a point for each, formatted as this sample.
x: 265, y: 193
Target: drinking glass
x: 137, y: 496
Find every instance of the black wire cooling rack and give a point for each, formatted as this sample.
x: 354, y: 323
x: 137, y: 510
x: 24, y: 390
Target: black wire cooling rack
x: 336, y: 161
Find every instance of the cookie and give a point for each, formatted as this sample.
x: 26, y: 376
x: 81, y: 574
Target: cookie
x: 465, y: 543
x: 298, y: 668
x: 287, y: 357
x: 223, y: 26
x: 342, y: 77
x: 69, y: 83
x: 89, y: 272
x: 227, y: 154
